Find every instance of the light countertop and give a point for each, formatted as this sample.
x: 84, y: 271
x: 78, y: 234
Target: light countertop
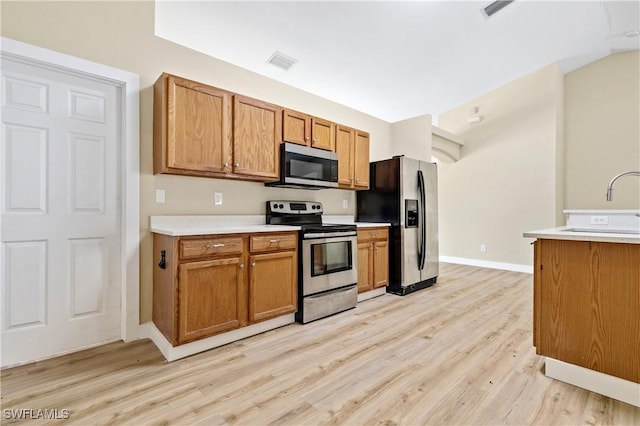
x: 176, y: 226
x: 567, y: 233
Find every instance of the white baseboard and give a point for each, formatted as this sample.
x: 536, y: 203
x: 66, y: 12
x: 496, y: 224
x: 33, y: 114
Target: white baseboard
x: 172, y: 353
x: 604, y: 384
x: 488, y: 264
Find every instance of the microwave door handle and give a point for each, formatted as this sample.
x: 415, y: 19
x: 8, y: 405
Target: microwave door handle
x: 422, y: 231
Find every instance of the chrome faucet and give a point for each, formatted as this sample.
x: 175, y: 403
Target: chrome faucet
x: 613, y: 181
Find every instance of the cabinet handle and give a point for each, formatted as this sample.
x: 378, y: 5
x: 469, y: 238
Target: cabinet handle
x: 226, y: 164
x: 241, y: 266
x: 253, y: 264
x: 274, y: 241
x: 163, y: 259
x: 315, y: 140
x: 307, y: 139
x: 215, y: 245
x: 237, y: 164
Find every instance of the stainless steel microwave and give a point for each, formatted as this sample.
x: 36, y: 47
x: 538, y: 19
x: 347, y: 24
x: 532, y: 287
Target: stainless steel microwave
x: 307, y: 168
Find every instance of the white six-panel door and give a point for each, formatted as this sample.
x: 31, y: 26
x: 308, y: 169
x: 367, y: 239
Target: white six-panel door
x: 61, y: 212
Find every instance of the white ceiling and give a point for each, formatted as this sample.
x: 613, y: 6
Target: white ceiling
x: 396, y: 60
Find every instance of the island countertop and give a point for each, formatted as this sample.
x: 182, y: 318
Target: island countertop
x: 586, y: 234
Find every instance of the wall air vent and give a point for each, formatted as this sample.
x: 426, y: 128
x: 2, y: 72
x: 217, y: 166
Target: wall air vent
x: 281, y: 60
x: 494, y: 7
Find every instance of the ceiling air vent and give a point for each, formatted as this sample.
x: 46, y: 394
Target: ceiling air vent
x: 281, y: 60
x: 494, y: 7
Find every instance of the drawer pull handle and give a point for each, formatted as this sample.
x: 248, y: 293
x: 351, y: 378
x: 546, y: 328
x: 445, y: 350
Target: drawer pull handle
x: 274, y: 241
x: 218, y: 245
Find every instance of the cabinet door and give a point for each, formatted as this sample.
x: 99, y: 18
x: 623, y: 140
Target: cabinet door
x: 323, y: 134
x: 365, y: 266
x: 296, y: 127
x: 198, y: 127
x: 257, y: 134
x: 589, y: 297
x: 345, y: 141
x: 361, y: 160
x: 212, y: 298
x: 380, y: 264
x: 273, y: 285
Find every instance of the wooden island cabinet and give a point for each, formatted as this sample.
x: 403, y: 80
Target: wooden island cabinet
x: 206, y: 285
x: 587, y: 305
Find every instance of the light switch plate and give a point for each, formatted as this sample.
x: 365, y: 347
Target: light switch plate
x: 159, y: 195
x: 345, y: 203
x: 217, y: 198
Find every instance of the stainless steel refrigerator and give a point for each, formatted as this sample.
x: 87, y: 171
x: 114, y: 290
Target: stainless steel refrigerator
x: 403, y: 192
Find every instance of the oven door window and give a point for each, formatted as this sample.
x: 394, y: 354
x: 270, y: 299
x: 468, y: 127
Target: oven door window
x: 330, y: 257
x: 311, y: 168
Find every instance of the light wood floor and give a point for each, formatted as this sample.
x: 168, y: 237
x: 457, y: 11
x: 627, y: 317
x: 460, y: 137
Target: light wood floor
x: 457, y: 353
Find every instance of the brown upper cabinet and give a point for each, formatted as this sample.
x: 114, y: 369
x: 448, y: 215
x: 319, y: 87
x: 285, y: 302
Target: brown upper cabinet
x: 200, y: 130
x: 257, y: 130
x: 307, y: 130
x: 192, y: 127
x: 352, y: 147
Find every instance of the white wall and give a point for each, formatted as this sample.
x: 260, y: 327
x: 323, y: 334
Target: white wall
x: 508, y: 178
x: 603, y: 132
x: 412, y: 138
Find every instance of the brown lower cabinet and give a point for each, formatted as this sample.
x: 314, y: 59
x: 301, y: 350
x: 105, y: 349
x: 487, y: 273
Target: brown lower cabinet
x: 206, y: 285
x: 373, y: 258
x: 587, y: 305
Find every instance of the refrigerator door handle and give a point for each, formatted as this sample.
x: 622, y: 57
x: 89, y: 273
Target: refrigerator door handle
x: 422, y: 231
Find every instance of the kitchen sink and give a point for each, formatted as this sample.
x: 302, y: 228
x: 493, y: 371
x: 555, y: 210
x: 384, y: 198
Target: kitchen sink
x: 605, y: 231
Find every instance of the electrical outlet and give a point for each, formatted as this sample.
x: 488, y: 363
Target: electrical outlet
x: 483, y: 248
x: 345, y: 203
x: 599, y: 220
x: 217, y: 198
x: 159, y: 195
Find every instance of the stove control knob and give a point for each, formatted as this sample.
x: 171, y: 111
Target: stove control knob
x: 275, y: 206
x: 281, y: 206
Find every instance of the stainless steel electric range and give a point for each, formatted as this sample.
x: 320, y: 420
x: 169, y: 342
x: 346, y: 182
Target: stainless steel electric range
x: 327, y: 262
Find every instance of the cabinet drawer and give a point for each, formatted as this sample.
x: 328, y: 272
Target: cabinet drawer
x: 210, y: 247
x: 262, y: 243
x: 372, y: 234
